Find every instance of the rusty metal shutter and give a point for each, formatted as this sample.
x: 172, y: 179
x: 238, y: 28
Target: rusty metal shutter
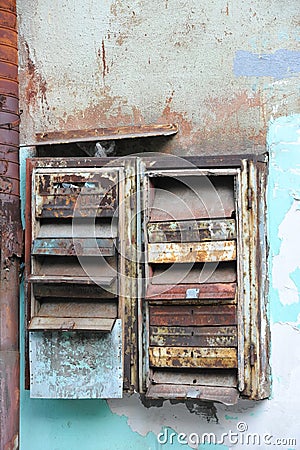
x: 75, y: 239
x: 195, y: 307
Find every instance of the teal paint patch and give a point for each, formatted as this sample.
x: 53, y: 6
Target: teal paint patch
x: 283, y: 189
x: 230, y: 417
x: 295, y: 276
x: 76, y: 425
x: 77, y: 365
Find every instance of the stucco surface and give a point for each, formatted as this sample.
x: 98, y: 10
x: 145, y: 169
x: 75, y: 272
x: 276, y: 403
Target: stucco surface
x: 219, y: 69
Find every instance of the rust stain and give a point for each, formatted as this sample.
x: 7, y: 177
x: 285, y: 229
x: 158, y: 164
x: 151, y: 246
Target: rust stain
x: 223, y: 122
x: 224, y: 108
x: 128, y: 17
x: 36, y: 87
x: 185, y: 126
x: 104, y: 64
x: 109, y: 112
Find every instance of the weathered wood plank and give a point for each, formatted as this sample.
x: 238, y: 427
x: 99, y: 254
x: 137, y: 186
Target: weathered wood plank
x: 192, y: 291
x: 187, y: 315
x: 108, y: 310
x: 193, y: 336
x: 71, y: 247
x: 192, y: 252
x: 177, y: 357
x: 203, y: 377
x: 72, y: 323
x: 192, y: 231
x: 225, y: 395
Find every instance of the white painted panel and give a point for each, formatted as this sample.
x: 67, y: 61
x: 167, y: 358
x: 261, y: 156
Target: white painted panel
x: 76, y: 365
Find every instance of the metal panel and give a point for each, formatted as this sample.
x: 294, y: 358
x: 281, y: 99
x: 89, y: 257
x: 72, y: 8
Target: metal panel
x: 228, y: 396
x: 11, y: 239
x: 244, y: 285
x: 191, y: 231
x: 58, y: 229
x: 171, y: 162
x: 100, y: 134
x: 103, y: 281
x: 76, y: 365
x: 193, y: 336
x: 83, y: 292
x: 187, y: 315
x: 71, y: 323
x: 192, y: 197
x: 60, y: 308
x: 188, y: 357
x: 191, y: 291
x: 192, y: 252
x: 204, y: 377
x: 83, y: 194
x: 259, y: 339
x: 191, y: 273
x: 71, y: 247
x: 69, y: 266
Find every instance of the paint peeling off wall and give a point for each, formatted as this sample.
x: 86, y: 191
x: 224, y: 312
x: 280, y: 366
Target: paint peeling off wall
x: 284, y: 217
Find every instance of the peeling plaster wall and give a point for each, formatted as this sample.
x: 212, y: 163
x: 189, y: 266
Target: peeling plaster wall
x: 220, y: 69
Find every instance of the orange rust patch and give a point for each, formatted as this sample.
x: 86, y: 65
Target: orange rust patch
x: 36, y: 85
x: 108, y: 113
x: 227, y: 124
x: 224, y: 108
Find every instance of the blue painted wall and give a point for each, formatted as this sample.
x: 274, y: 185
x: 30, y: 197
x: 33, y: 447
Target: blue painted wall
x: 127, y: 424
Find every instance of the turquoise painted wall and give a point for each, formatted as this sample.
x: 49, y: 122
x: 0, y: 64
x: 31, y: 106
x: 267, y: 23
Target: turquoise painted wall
x: 127, y: 424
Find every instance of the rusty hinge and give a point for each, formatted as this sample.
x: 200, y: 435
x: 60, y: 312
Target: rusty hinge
x: 252, y: 355
x: 250, y: 198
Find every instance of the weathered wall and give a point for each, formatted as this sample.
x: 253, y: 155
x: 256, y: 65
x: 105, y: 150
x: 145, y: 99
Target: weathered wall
x: 125, y: 424
x: 220, y: 69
